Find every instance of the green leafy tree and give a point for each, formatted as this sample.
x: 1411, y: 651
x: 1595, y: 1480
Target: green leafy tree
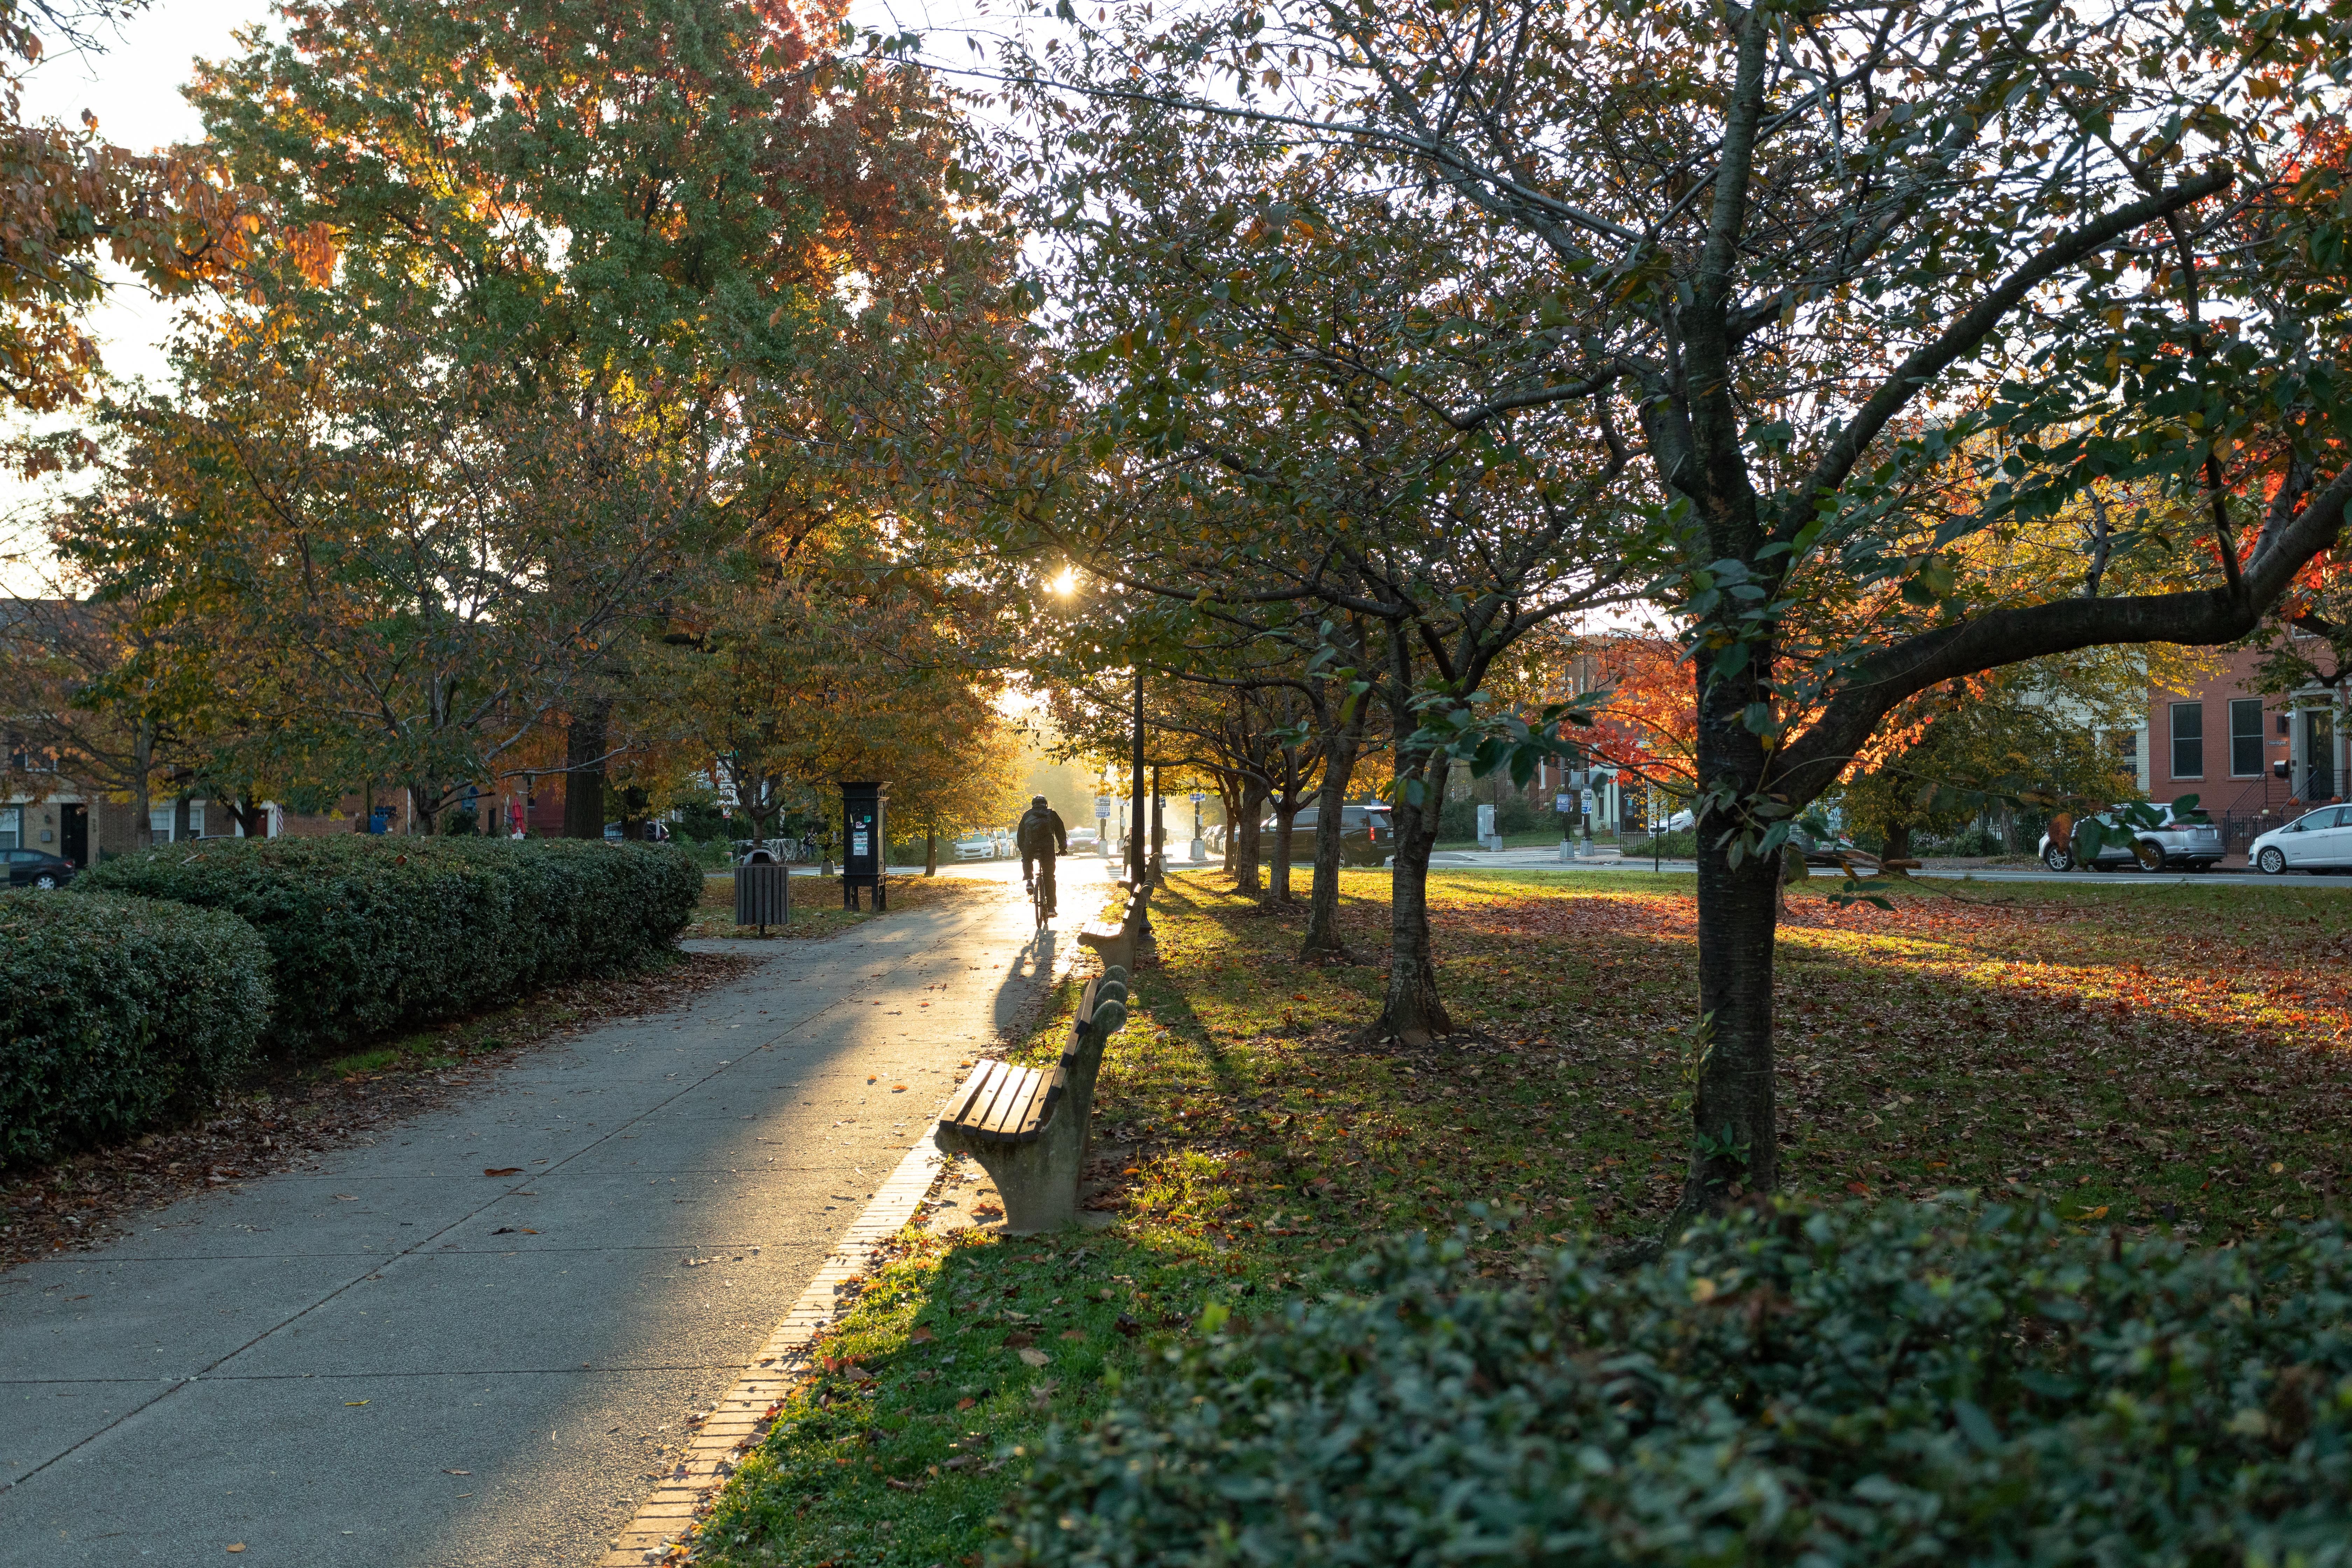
x: 1810, y: 253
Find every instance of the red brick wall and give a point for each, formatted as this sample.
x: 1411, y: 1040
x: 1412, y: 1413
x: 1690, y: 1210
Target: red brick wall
x: 2215, y: 786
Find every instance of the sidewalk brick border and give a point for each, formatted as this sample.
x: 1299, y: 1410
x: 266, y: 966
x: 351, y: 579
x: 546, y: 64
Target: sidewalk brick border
x: 742, y: 1417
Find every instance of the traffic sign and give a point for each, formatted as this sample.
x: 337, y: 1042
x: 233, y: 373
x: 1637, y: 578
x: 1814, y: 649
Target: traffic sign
x: 1102, y: 808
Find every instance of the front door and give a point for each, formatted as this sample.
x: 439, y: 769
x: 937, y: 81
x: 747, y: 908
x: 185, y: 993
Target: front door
x: 74, y: 837
x: 2318, y: 754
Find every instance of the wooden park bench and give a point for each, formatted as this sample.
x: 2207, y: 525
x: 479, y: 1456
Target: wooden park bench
x: 1118, y: 942
x: 1027, y: 1126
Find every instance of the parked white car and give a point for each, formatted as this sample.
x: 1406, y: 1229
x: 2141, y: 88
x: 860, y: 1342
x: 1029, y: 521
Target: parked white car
x: 976, y: 847
x: 2188, y: 840
x: 2319, y: 840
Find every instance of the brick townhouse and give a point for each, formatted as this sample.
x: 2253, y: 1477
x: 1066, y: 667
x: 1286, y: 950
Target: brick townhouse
x: 2250, y: 758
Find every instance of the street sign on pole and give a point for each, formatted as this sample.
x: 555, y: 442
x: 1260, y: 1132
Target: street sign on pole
x: 1102, y: 808
x: 1198, y: 797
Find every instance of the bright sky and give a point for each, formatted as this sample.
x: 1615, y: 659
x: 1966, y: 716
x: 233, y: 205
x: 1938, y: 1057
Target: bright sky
x: 134, y: 88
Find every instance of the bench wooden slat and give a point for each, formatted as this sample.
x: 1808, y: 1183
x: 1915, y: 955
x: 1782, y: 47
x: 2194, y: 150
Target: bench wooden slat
x: 986, y: 1112
x: 1087, y: 1000
x: 1000, y: 1083
x: 970, y: 1092
x: 1012, y: 1105
x: 961, y: 1101
x: 1049, y: 1090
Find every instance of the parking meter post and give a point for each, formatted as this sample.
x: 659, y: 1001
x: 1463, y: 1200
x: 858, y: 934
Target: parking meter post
x: 865, y: 853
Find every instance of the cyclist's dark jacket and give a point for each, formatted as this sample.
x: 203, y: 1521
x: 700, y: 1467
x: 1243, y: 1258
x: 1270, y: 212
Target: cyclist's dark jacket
x: 1041, y: 830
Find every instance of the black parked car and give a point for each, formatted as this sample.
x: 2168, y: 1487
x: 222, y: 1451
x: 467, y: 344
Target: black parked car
x: 37, y: 868
x: 1366, y: 836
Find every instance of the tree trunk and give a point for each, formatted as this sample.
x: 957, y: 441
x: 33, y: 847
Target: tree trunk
x: 1230, y: 849
x: 1278, y: 879
x: 143, y: 799
x: 1412, y: 1014
x: 584, y: 772
x: 1246, y: 854
x: 180, y: 825
x: 1323, y: 897
x: 931, y: 853
x: 1735, y: 1149
x: 1898, y: 843
x: 251, y: 817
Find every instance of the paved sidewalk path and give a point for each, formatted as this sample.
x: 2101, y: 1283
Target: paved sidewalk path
x: 397, y: 1361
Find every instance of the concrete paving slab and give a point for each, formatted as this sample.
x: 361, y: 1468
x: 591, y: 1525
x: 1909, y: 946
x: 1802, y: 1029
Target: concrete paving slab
x: 155, y: 1319
x: 538, y: 1311
x: 330, y: 1358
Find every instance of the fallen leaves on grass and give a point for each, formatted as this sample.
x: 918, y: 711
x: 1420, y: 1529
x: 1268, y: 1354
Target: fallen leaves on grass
x: 2166, y: 1053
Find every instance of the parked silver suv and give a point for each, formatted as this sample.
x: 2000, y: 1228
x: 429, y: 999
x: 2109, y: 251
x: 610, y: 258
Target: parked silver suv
x: 2183, y: 839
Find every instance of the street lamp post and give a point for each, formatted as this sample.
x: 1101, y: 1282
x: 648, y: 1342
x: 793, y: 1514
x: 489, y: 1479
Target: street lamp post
x: 1135, y: 846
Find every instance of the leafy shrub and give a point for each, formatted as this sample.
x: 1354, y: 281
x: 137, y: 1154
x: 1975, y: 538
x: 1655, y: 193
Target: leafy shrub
x: 1972, y: 841
x: 1913, y: 1385
x: 368, y: 933
x: 113, y: 1011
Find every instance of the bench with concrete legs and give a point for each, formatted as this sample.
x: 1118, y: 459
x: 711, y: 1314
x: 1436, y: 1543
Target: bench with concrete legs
x: 1027, y: 1126
x: 1118, y: 942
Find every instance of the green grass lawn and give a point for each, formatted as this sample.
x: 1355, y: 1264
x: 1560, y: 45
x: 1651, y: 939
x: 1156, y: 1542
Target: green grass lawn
x: 2142, y: 1056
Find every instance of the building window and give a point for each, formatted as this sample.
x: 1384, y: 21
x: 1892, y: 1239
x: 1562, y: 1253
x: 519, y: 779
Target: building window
x: 12, y: 826
x: 2189, y: 740
x: 2125, y: 744
x: 2245, y: 737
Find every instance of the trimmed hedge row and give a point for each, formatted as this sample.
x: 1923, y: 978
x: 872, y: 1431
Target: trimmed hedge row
x: 1910, y: 1384
x: 369, y: 933
x: 113, y: 1009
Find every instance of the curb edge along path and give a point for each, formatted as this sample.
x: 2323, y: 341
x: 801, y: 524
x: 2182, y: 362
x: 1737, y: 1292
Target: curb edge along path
x: 742, y: 1417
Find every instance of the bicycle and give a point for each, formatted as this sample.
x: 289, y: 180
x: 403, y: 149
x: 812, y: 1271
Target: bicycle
x: 1036, y: 885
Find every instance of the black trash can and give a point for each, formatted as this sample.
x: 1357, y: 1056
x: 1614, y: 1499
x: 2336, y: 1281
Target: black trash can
x: 763, y: 891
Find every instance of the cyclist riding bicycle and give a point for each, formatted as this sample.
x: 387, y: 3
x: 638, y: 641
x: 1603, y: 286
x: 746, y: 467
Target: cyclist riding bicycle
x: 1041, y: 836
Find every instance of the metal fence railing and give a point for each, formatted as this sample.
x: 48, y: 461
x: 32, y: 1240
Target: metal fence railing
x: 2239, y: 829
